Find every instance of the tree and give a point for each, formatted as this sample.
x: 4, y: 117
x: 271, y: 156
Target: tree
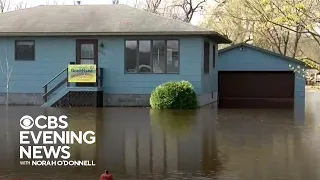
x: 219, y: 18
x: 153, y: 6
x: 115, y: 1
x: 6, y: 70
x: 185, y: 9
x: 300, y: 18
x: 4, y: 5
x: 56, y: 2
x: 290, y: 14
x: 276, y: 25
x: 21, y: 5
x: 237, y: 21
x: 182, y: 10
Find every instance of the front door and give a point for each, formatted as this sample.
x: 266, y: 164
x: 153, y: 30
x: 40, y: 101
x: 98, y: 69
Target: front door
x: 87, y: 53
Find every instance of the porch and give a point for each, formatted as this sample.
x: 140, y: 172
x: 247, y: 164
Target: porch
x: 59, y: 92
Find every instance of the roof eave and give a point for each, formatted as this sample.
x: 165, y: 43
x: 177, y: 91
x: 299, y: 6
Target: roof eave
x: 262, y: 50
x: 220, y: 39
x: 217, y: 37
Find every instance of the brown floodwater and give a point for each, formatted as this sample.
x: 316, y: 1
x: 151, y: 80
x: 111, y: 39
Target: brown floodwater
x: 140, y: 143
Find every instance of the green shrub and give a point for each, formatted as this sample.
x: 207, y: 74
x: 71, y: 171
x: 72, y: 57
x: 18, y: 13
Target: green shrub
x: 174, y: 95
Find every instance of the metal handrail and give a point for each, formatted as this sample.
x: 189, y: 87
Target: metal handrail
x: 46, y: 94
x: 99, y: 83
x: 55, y: 77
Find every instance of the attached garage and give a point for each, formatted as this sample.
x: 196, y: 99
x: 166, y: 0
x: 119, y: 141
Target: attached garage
x: 250, y: 77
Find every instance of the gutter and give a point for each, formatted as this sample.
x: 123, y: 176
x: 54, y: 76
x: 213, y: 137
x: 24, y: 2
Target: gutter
x: 215, y: 35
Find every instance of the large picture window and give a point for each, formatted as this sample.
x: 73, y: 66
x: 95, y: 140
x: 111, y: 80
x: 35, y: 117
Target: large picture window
x: 152, y: 56
x: 24, y: 50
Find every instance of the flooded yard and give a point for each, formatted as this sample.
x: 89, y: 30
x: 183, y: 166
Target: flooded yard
x: 140, y: 143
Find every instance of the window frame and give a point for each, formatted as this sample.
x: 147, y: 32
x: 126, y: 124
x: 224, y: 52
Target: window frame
x: 166, y: 48
x: 151, y: 55
x: 214, y: 56
x: 15, y: 50
x: 206, y: 58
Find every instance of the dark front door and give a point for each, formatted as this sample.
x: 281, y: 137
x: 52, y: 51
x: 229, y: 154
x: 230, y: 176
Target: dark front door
x: 269, y: 90
x: 87, y: 53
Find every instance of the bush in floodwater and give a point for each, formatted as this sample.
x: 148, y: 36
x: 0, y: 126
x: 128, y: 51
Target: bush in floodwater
x: 174, y: 122
x: 174, y: 95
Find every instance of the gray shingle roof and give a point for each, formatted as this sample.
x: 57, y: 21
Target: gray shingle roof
x: 95, y: 20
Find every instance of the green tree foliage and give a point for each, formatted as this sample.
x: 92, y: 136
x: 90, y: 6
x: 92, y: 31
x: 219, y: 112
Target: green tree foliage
x: 287, y: 27
x: 220, y: 18
x: 174, y: 95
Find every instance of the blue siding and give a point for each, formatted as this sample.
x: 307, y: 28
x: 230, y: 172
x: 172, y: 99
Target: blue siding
x: 54, y: 54
x: 254, y: 60
x: 51, y: 56
x: 210, y: 81
x: 214, y: 74
x: 251, y: 60
x: 117, y: 82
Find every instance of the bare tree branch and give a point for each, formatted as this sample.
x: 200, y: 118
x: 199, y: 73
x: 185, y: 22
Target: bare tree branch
x: 5, y: 5
x: 153, y: 5
x: 115, y: 1
x: 21, y: 5
x: 189, y: 8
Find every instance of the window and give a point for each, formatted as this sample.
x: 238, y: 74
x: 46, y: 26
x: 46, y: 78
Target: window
x: 214, y: 56
x: 172, y: 56
x: 206, y: 58
x: 131, y: 56
x: 24, y: 50
x: 158, y: 56
x: 87, y: 53
x: 152, y: 56
x: 144, y: 57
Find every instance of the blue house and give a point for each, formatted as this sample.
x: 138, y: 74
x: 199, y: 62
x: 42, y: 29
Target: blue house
x: 251, y: 77
x: 134, y: 51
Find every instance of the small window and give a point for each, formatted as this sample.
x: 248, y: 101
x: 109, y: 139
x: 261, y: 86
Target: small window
x: 214, y: 56
x: 24, y: 50
x: 206, y: 58
x: 87, y: 54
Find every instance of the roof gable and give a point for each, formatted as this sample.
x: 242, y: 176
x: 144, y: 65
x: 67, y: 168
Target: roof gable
x: 95, y: 19
x: 260, y: 50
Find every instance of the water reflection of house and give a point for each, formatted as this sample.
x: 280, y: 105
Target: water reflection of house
x: 10, y: 132
x: 133, y: 145
x: 87, y: 122
x: 265, y: 145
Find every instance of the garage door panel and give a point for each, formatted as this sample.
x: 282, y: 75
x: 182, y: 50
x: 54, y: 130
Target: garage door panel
x: 255, y: 89
x: 258, y: 103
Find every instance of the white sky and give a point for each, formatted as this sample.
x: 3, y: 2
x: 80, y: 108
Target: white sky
x: 30, y: 3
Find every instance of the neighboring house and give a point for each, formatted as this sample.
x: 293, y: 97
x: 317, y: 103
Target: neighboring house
x: 134, y: 50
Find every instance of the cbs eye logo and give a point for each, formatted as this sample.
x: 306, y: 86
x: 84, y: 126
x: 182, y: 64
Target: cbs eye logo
x: 26, y: 122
